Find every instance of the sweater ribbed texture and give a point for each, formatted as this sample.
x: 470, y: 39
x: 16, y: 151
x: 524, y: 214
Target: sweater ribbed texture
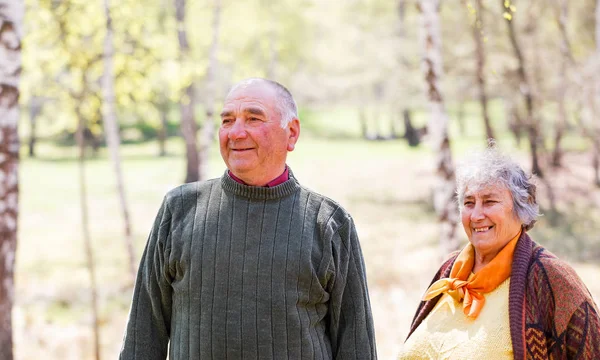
x: 240, y: 272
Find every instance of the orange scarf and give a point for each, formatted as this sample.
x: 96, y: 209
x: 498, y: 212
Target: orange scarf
x: 471, y: 291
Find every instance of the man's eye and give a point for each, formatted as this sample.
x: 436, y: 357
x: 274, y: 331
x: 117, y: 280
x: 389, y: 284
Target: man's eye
x: 253, y: 119
x: 468, y: 203
x: 225, y: 121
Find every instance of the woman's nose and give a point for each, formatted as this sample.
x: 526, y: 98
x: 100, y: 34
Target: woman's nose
x: 477, y: 213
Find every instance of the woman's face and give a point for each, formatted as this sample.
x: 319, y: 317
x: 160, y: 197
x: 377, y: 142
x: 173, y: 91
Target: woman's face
x: 488, y: 218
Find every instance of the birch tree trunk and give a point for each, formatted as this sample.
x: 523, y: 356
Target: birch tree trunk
x: 596, y: 162
x: 163, y: 101
x: 402, y: 71
x: 208, y: 128
x: 596, y: 126
x: 525, y: 88
x: 35, y: 108
x: 272, y: 35
x: 187, y: 104
x: 444, y: 203
x: 561, y: 121
x: 163, y: 129
x: 112, y: 135
x: 480, y: 51
x: 89, y: 252
x: 597, y: 25
x: 362, y: 118
x: 11, y: 18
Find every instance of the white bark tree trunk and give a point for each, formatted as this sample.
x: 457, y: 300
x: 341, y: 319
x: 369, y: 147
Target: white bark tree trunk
x: 87, y: 242
x: 11, y: 32
x: 561, y: 91
x: 187, y: 105
x: 272, y: 35
x: 112, y: 135
x: 35, y: 106
x: 597, y: 25
x: 481, y: 80
x: 533, y: 132
x: 208, y: 128
x: 596, y: 138
x: 437, y: 126
x: 163, y: 101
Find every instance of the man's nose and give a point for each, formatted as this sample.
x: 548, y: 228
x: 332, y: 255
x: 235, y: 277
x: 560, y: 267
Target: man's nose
x: 238, y: 130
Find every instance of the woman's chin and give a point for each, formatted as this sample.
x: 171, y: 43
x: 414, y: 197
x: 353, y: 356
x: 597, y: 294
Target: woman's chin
x: 482, y: 241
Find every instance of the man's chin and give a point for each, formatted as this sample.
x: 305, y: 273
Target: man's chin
x: 240, y: 171
x: 240, y: 166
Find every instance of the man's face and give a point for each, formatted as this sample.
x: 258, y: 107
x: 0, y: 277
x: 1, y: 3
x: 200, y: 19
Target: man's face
x: 253, y: 144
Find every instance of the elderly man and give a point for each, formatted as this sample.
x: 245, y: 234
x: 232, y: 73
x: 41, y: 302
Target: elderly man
x: 251, y: 265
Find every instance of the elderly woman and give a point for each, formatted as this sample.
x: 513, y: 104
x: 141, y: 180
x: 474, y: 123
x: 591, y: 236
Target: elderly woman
x: 503, y: 296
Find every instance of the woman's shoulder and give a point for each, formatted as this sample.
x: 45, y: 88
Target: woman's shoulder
x: 553, y: 268
x: 558, y: 298
x: 549, y: 266
x: 446, y: 266
x: 564, y: 284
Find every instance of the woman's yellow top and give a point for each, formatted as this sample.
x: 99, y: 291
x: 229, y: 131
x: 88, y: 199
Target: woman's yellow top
x: 446, y: 333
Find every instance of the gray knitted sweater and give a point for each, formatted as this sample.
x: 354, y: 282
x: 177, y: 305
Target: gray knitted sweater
x: 241, y: 272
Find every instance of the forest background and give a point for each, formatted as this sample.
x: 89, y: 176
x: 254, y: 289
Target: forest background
x: 118, y: 101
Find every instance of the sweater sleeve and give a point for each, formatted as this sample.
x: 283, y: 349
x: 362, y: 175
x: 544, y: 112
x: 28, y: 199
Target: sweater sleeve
x: 567, y: 309
x: 148, y: 329
x: 582, y: 338
x: 350, y: 321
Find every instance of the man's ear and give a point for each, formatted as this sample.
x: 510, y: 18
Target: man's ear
x: 294, y: 128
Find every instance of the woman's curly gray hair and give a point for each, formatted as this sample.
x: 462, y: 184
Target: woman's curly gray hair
x: 491, y: 167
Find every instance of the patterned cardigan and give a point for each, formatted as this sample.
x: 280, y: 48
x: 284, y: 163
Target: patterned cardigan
x: 552, y: 314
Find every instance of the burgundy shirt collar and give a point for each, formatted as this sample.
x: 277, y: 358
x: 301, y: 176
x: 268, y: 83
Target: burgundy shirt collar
x: 277, y: 181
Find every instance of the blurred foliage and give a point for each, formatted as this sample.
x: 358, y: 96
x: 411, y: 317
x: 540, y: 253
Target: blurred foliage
x: 361, y: 54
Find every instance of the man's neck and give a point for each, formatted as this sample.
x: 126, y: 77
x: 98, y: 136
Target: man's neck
x: 274, y: 182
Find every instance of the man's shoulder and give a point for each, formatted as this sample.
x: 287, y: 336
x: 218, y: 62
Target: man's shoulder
x: 323, y: 201
x: 190, y: 191
x: 329, y: 211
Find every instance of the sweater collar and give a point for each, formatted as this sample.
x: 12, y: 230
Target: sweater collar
x: 285, y: 176
x: 257, y: 192
x: 516, y: 294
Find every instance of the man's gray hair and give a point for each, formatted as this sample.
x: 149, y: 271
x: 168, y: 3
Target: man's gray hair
x: 491, y: 167
x: 286, y: 106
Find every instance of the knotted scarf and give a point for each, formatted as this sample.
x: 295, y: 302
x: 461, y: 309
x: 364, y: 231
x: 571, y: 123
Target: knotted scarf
x: 470, y: 290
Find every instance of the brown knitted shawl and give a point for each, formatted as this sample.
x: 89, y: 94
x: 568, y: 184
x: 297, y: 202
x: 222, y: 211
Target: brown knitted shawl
x: 552, y: 314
